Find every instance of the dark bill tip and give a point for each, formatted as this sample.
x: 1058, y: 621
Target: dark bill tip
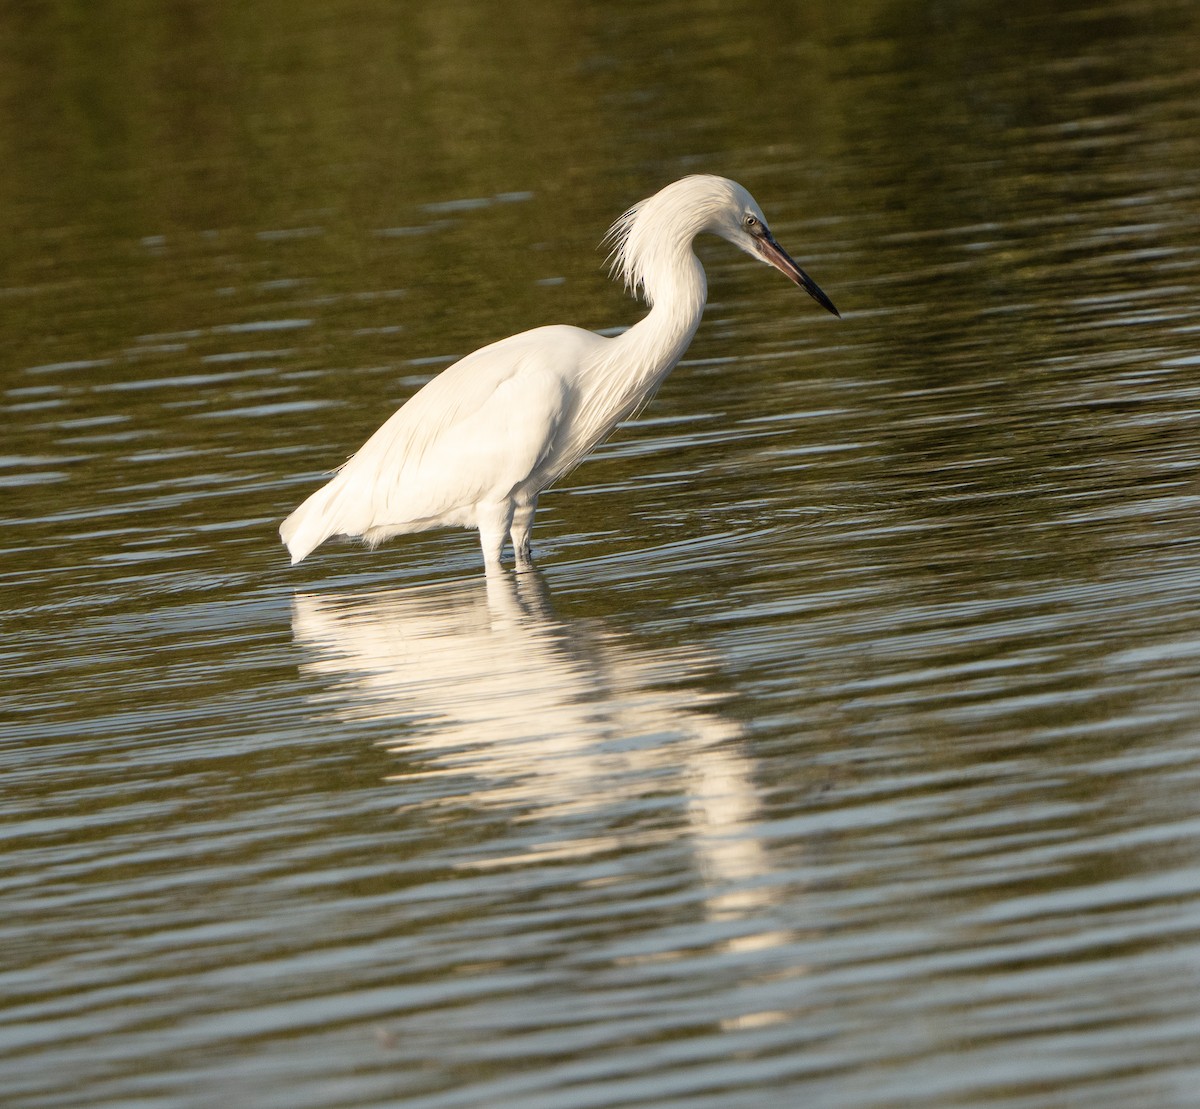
x: 778, y: 257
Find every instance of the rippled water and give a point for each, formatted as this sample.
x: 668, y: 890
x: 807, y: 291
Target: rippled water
x: 844, y: 748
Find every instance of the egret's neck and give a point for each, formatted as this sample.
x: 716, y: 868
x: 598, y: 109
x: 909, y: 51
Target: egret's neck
x: 678, y: 290
x: 625, y: 371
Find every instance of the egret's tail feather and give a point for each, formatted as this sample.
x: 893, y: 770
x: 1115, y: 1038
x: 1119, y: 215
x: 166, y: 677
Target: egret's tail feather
x: 312, y: 523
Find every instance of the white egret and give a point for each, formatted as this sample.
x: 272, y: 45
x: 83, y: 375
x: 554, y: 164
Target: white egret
x: 476, y: 445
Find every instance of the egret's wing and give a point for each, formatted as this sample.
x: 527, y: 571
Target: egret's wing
x: 481, y: 454
x: 472, y: 433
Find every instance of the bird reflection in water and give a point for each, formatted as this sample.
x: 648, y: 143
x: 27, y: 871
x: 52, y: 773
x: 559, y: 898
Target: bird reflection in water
x: 548, y: 719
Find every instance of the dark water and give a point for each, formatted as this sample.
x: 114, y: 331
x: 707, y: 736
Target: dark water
x: 844, y: 751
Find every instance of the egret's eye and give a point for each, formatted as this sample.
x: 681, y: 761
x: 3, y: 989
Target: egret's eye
x: 752, y: 224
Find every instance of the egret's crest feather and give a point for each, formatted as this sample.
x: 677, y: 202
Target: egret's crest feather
x: 647, y: 236
x: 622, y: 261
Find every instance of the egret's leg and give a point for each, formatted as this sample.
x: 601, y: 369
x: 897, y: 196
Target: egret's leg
x: 522, y: 525
x: 494, y: 522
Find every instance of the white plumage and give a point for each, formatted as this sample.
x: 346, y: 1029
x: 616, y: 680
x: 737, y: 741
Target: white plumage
x: 476, y: 445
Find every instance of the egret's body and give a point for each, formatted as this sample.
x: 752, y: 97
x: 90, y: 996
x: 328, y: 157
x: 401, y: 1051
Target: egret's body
x: 476, y: 445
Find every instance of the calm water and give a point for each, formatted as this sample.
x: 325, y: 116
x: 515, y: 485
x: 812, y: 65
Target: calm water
x: 845, y: 749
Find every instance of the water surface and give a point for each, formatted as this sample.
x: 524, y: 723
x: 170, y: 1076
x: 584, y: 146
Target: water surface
x: 843, y: 749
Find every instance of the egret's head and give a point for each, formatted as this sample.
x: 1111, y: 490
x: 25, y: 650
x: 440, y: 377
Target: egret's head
x: 676, y: 214
x: 740, y: 221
